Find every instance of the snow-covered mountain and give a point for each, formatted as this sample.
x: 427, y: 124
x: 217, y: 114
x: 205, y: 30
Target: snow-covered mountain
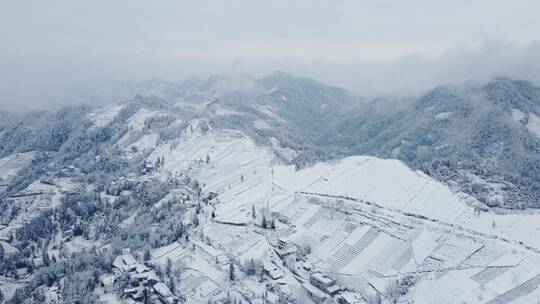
x: 482, y: 139
x: 274, y: 190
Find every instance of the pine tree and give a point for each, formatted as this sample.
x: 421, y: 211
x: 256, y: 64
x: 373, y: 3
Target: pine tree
x: 250, y: 267
x: 264, y: 223
x: 146, y: 254
x: 172, y: 285
x: 168, y: 266
x: 231, y: 272
x: 273, y: 224
x: 2, y: 254
x: 207, y: 158
x: 253, y: 214
x: 45, y: 256
x: 213, y: 214
x: 195, y: 219
x: 146, y: 298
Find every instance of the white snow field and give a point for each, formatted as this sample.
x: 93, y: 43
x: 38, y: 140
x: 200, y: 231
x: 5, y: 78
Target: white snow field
x: 392, y: 185
x: 534, y: 124
x: 395, y: 222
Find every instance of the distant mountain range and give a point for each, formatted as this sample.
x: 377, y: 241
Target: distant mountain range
x: 480, y: 139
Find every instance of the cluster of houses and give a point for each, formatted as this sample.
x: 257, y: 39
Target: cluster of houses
x: 143, y: 282
x: 320, y: 288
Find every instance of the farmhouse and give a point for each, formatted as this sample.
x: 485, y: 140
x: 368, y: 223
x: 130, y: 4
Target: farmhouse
x: 107, y: 282
x: 285, y: 247
x: 324, y: 283
x: 272, y: 270
x: 350, y: 298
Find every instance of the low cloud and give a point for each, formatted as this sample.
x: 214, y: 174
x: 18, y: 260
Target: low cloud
x: 369, y: 47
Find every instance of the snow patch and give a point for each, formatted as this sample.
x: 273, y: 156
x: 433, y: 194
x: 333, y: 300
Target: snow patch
x: 517, y: 115
x: 444, y: 115
x: 261, y: 125
x: 534, y: 124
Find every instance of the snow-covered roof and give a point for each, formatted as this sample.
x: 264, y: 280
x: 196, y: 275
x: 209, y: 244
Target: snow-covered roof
x: 162, y: 289
x: 129, y: 260
x: 131, y: 290
x: 322, y: 278
x: 107, y: 279
x: 118, y: 262
x: 351, y: 298
x: 147, y: 275
x: 273, y: 271
x: 272, y: 298
x: 141, y: 268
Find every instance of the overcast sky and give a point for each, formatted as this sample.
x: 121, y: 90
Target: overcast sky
x: 370, y: 47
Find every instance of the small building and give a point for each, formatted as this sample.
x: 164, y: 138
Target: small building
x: 149, y: 167
x: 283, y: 243
x: 162, y: 290
x: 324, y: 283
x: 307, y: 266
x: 350, y: 298
x: 126, y: 263
x: 107, y: 282
x: 131, y: 291
x: 282, y: 253
x: 146, y: 278
x: 272, y: 270
x: 271, y: 298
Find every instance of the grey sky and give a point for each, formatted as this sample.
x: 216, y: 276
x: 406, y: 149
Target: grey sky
x: 397, y: 47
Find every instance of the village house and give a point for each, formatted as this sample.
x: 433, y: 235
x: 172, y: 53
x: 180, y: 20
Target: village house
x: 271, y: 270
x: 164, y: 293
x: 271, y: 298
x: 350, y: 298
x: 285, y: 247
x: 324, y: 283
x: 149, y: 167
x: 107, y: 282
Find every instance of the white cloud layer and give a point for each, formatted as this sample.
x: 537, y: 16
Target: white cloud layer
x: 370, y: 47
